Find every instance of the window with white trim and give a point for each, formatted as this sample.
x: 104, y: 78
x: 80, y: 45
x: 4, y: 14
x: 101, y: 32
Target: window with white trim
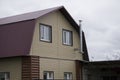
x: 4, y: 76
x: 68, y: 76
x: 48, y: 75
x: 45, y: 33
x: 67, y: 37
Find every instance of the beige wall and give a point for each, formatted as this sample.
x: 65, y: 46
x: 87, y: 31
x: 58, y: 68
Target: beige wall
x: 58, y: 66
x: 12, y: 65
x: 55, y: 49
x: 62, y: 56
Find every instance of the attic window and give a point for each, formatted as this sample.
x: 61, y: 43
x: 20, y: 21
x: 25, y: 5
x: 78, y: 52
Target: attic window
x: 45, y: 33
x: 67, y: 37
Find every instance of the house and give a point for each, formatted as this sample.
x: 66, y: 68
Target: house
x: 41, y: 45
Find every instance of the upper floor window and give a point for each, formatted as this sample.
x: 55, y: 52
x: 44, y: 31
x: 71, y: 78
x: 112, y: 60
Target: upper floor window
x: 67, y: 37
x: 45, y: 33
x: 68, y: 76
x: 48, y: 75
x: 4, y: 76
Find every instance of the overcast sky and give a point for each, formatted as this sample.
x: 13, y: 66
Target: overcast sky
x: 101, y: 20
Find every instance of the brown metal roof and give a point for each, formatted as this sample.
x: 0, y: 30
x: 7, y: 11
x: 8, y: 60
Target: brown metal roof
x: 16, y: 38
x: 27, y: 16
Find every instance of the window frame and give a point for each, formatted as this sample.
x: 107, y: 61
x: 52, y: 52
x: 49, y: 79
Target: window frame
x: 7, y: 73
x: 48, y: 72
x: 71, y: 37
x: 68, y: 73
x: 50, y: 35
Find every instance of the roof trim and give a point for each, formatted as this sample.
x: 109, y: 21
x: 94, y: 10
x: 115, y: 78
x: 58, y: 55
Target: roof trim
x: 69, y: 18
x: 85, y: 50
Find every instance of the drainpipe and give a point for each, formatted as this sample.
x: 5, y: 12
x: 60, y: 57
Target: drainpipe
x: 80, y: 33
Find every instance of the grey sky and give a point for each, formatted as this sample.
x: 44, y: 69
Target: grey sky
x: 101, y: 20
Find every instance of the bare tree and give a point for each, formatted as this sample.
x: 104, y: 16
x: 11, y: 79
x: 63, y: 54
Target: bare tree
x: 92, y: 58
x: 113, y: 56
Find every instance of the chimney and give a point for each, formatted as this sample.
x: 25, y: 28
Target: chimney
x: 80, y: 33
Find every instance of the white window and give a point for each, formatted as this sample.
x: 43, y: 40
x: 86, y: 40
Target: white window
x: 48, y: 75
x: 67, y: 76
x: 67, y: 37
x: 4, y: 76
x: 45, y: 33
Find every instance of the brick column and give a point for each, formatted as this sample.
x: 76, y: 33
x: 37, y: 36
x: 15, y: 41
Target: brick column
x: 30, y: 67
x: 79, y: 73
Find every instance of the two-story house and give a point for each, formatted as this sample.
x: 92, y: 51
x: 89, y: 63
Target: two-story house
x: 41, y: 45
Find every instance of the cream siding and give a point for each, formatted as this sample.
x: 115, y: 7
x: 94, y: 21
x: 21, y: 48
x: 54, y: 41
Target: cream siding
x: 58, y: 66
x: 55, y: 49
x: 12, y: 65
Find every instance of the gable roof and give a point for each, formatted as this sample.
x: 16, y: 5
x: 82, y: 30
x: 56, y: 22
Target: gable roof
x: 37, y: 14
x: 27, y: 16
x: 25, y: 19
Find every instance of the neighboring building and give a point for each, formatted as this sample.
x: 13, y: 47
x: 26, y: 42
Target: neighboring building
x: 101, y: 70
x: 41, y: 45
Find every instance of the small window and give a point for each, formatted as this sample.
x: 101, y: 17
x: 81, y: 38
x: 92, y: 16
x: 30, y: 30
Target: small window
x: 68, y: 76
x: 48, y: 75
x: 4, y: 76
x: 67, y: 37
x: 45, y: 33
